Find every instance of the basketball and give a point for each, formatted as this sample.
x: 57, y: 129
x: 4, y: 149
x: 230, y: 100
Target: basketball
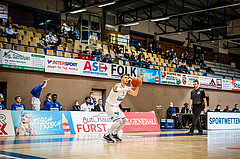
x: 136, y: 82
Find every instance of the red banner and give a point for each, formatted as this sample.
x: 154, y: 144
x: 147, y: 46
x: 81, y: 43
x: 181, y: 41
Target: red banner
x: 141, y: 121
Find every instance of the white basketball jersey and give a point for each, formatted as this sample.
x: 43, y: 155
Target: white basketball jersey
x: 115, y: 98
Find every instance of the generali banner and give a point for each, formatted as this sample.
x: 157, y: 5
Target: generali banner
x: 140, y: 122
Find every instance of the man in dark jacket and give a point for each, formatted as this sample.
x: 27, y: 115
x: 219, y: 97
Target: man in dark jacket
x: 99, y: 107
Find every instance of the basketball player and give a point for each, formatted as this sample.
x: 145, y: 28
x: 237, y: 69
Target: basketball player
x: 115, y: 97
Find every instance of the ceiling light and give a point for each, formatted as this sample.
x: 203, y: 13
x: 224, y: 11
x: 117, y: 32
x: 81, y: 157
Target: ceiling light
x: 107, y: 4
x: 78, y: 11
x: 131, y: 24
x: 160, y: 19
x: 48, y: 21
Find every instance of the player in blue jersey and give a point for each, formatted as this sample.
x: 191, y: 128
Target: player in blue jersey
x: 53, y: 105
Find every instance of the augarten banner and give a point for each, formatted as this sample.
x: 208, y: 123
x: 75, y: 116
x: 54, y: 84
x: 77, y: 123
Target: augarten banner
x: 21, y: 60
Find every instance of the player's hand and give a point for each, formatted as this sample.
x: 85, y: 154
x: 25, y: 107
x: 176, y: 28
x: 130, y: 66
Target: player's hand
x: 46, y: 80
x: 131, y: 85
x: 205, y: 110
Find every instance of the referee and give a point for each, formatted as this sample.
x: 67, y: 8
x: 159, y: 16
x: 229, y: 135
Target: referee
x: 198, y: 98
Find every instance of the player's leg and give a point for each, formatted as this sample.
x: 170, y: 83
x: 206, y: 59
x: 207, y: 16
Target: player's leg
x: 119, y: 128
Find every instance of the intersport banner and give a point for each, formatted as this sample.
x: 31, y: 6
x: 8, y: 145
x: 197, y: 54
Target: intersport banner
x: 95, y: 69
x: 6, y: 123
x: 54, y: 64
x: 118, y: 70
x: 141, y: 121
x: 91, y: 122
x: 21, y: 60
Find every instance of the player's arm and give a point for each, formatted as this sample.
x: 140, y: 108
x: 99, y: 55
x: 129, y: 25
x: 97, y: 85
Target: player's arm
x: 205, y: 103
x: 117, y: 88
x: 45, y: 83
x: 191, y: 104
x: 133, y: 93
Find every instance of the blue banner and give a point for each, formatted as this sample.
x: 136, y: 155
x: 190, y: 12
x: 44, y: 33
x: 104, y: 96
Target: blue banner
x: 31, y: 123
x: 149, y: 75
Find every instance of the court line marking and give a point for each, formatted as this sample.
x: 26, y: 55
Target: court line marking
x: 6, y: 154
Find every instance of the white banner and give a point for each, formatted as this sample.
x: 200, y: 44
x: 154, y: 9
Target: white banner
x: 21, y: 60
x: 226, y: 84
x: 207, y: 82
x: 95, y: 69
x: 221, y: 120
x: 3, y: 11
x: 92, y: 122
x: 118, y: 70
x: 171, y: 78
x: 6, y: 123
x: 54, y: 64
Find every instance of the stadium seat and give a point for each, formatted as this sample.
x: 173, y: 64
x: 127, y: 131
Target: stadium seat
x: 36, y: 39
x: 24, y: 27
x: 99, y: 46
x: 30, y: 49
x: 92, y: 41
x: 1, y: 45
x: 27, y: 38
x: 8, y: 46
x: 196, y: 73
x: 60, y: 53
x: 4, y: 39
x: 14, y: 41
x: 162, y: 69
x: 29, y: 33
x: 120, y: 62
x: 60, y: 48
x: 150, y: 55
x: 38, y: 35
x: 76, y: 50
x: 167, y: 69
x: 76, y: 46
x: 172, y: 70
x: 77, y: 42
x: 21, y: 32
x: 24, y: 42
x: 74, y: 55
x: 69, y: 45
x: 32, y: 29
x: 33, y: 44
x: 20, y: 48
x: 159, y: 56
x: 40, y: 51
x: 66, y: 54
x: 98, y: 42
x: 50, y: 52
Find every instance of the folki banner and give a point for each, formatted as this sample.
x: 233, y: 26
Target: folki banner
x: 141, y: 121
x: 6, y: 123
x: 92, y: 122
x: 31, y: 123
x: 149, y: 75
x: 118, y: 70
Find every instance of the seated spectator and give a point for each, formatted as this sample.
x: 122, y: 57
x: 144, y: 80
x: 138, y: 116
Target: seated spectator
x: 182, y: 58
x: 58, y: 30
x: 10, y: 33
x: 138, y: 47
x: 95, y: 54
x: 49, y: 39
x: 43, y: 43
x: 226, y: 109
x: 17, y: 105
x: 92, y: 100
x: 107, y: 59
x: 147, y: 63
x: 171, y: 112
x: 185, y: 109
x: 175, y: 61
x: 218, y: 108
x: 120, y: 55
x: 202, y: 59
x: 150, y: 49
x: 159, y: 50
x: 55, y: 41
x: 174, y: 55
x: 197, y: 60
x: 2, y: 107
x: 126, y: 55
x: 86, y: 106
x: 235, y: 109
x: 99, y: 107
x: 163, y: 55
x: 54, y: 105
x: 48, y: 99
x: 76, y: 106
x: 1, y: 32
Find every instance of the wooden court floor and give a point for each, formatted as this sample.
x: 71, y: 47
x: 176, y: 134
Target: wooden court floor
x: 165, y: 144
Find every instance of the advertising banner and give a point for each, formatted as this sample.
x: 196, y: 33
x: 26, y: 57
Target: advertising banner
x: 226, y: 84
x: 54, y: 64
x: 171, y: 78
x: 95, y: 69
x: 6, y: 123
x: 141, y: 121
x: 92, y: 122
x: 221, y: 120
x: 3, y: 11
x: 187, y: 80
x: 118, y: 70
x: 31, y: 123
x: 207, y: 82
x: 22, y: 60
x: 235, y: 85
x: 149, y: 75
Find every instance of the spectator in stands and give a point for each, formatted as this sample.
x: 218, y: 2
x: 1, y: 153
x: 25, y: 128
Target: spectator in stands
x: 163, y: 55
x: 182, y: 58
x: 174, y: 55
x: 126, y: 55
x: 10, y: 33
x: 53, y: 105
x: 120, y: 54
x: 48, y: 99
x: 58, y: 30
x: 186, y: 119
x: 86, y: 106
x: 65, y: 35
x: 170, y: 56
x: 71, y: 34
x: 93, y: 101
x: 185, y: 109
x: 138, y: 47
x: 218, y: 108
x: 235, y: 109
x: 226, y: 109
x: 17, y: 105
x: 107, y: 59
x: 166, y: 54
x: 202, y: 59
x: 150, y: 49
x: 76, y: 106
x: 99, y: 107
x: 147, y: 63
x: 43, y: 43
x: 159, y: 50
x: 183, y: 68
x: 197, y: 59
x: 95, y: 54
x: 175, y: 61
x: 55, y: 41
x: 2, y: 107
x: 1, y: 32
x: 171, y: 112
x: 49, y: 39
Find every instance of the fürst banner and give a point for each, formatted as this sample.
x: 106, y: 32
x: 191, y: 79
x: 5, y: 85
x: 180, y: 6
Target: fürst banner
x: 95, y: 69
x: 118, y: 70
x: 172, y: 78
x: 221, y: 120
x: 6, y: 123
x: 149, y: 75
x: 31, y: 123
x: 21, y: 60
x: 92, y: 122
x: 141, y: 121
x: 54, y: 64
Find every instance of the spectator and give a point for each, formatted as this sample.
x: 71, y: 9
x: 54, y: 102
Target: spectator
x: 1, y: 32
x: 185, y: 109
x: 49, y: 39
x: 107, y: 59
x: 43, y: 43
x: 150, y: 49
x: 202, y: 59
x: 226, y: 109
x: 58, y: 30
x: 2, y: 107
x: 10, y: 33
x: 218, y: 108
x: 17, y: 105
x: 147, y: 63
x: 86, y: 106
x: 54, y: 105
x: 163, y: 55
x: 174, y: 55
x: 197, y: 60
x: 65, y: 34
x: 175, y: 61
x: 186, y: 119
x: 159, y: 50
x: 182, y: 58
x: 92, y: 100
x: 76, y: 106
x: 171, y: 112
x: 126, y: 55
x: 94, y: 55
x: 235, y: 109
x: 55, y: 41
x: 48, y: 99
x: 120, y: 54
x: 99, y: 107
x: 138, y: 47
